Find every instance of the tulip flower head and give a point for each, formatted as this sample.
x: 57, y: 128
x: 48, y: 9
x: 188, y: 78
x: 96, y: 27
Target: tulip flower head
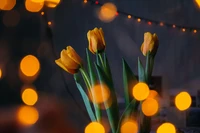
x: 150, y: 44
x: 96, y: 40
x: 69, y: 60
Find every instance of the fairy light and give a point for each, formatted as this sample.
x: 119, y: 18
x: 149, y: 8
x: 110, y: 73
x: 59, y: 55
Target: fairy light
x: 138, y: 20
x: 149, y: 23
x: 183, y: 29
x: 96, y: 2
x: 129, y: 16
x: 42, y: 13
x: 195, y: 31
x: 85, y: 1
x: 49, y: 23
x: 174, y: 26
x: 117, y: 13
x: 161, y: 24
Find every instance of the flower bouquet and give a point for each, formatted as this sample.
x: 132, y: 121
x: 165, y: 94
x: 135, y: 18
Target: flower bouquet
x: 97, y: 88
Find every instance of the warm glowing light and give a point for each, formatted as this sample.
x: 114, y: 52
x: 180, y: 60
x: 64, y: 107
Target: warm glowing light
x: 195, y: 31
x: 85, y: 1
x: 29, y: 96
x: 42, y: 13
x: 139, y: 20
x: 174, y: 26
x: 161, y: 24
x: 11, y: 18
x: 129, y: 127
x: 7, y: 4
x: 129, y: 16
x: 140, y: 91
x: 150, y: 107
x: 96, y: 2
x: 166, y: 128
x: 152, y: 94
x: 1, y: 73
x: 100, y: 92
x: 33, y: 6
x: 29, y: 65
x: 94, y: 127
x: 183, y: 29
x: 49, y: 23
x: 27, y: 115
x: 183, y: 101
x: 149, y: 23
x: 198, y: 3
x: 116, y: 13
x: 51, y: 3
x: 107, y: 12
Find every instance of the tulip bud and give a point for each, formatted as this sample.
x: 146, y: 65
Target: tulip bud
x: 150, y: 44
x: 96, y: 40
x: 69, y: 60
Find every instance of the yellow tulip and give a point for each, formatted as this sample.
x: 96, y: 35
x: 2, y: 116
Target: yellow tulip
x: 69, y: 60
x: 150, y: 43
x: 96, y: 40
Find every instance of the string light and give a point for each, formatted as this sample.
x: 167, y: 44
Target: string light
x: 139, y: 19
x: 183, y: 29
x: 117, y: 13
x: 42, y: 13
x: 49, y: 23
x: 85, y: 1
x: 161, y: 24
x: 149, y: 23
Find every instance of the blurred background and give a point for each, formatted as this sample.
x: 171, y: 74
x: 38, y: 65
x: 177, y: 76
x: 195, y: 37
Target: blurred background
x: 28, y: 29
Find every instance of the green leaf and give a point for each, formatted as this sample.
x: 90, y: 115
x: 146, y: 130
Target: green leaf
x: 98, y: 61
x: 130, y: 109
x: 141, y: 72
x: 147, y: 67
x: 85, y: 98
x: 92, y: 75
x: 129, y: 81
x: 112, y: 110
x: 107, y: 67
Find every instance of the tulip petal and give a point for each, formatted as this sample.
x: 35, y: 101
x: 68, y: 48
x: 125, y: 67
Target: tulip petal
x: 90, y: 41
x: 73, y: 55
x: 68, y: 61
x: 102, y: 36
x: 60, y: 64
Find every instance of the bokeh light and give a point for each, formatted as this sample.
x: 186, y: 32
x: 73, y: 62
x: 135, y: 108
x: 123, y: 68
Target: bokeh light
x: 33, y: 6
x: 29, y: 65
x: 166, y: 128
x: 94, y: 127
x: 1, y: 73
x: 183, y: 101
x: 11, y: 18
x: 138, y: 20
x: 198, y: 3
x: 107, y: 12
x: 27, y: 115
x: 100, y: 92
x: 7, y: 4
x: 150, y: 107
x: 51, y: 3
x: 152, y: 94
x: 129, y: 127
x: 140, y: 91
x: 29, y: 96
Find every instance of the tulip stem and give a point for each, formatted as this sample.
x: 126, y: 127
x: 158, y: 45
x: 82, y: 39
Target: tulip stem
x: 100, y: 57
x: 86, y: 77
